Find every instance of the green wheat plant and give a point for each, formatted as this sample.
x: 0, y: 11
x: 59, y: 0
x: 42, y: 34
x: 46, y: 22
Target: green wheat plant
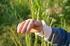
x: 56, y: 13
x: 38, y: 13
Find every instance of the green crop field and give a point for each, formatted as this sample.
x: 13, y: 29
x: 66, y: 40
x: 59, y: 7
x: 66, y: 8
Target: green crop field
x: 56, y: 13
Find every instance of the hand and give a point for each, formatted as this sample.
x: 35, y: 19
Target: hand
x: 40, y: 28
x: 29, y: 25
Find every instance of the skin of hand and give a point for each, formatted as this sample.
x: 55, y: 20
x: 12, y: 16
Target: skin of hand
x: 29, y: 26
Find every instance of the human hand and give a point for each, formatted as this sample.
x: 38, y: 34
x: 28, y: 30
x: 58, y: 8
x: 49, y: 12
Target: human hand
x: 29, y: 25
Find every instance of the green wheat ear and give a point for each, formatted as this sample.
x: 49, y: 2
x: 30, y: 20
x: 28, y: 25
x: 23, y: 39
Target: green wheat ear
x: 38, y: 13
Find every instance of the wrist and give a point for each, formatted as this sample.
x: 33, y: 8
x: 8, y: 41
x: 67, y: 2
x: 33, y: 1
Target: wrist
x: 46, y: 32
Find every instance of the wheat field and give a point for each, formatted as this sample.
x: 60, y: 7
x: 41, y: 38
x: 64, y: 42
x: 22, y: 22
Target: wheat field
x: 56, y: 13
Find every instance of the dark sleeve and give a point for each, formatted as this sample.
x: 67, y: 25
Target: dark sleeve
x: 58, y: 35
x: 68, y: 37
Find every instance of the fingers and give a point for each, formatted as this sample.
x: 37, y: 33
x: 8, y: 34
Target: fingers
x: 19, y: 27
x: 24, y: 28
x: 27, y: 25
x: 33, y: 26
x: 30, y: 25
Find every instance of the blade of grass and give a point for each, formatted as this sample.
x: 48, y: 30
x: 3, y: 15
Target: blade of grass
x: 28, y: 39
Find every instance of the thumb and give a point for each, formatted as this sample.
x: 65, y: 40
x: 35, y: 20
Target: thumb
x: 33, y: 30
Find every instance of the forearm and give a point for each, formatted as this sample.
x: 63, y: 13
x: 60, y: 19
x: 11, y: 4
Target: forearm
x: 57, y: 35
x: 46, y: 32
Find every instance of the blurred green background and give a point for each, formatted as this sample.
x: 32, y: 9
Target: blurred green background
x: 14, y: 11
